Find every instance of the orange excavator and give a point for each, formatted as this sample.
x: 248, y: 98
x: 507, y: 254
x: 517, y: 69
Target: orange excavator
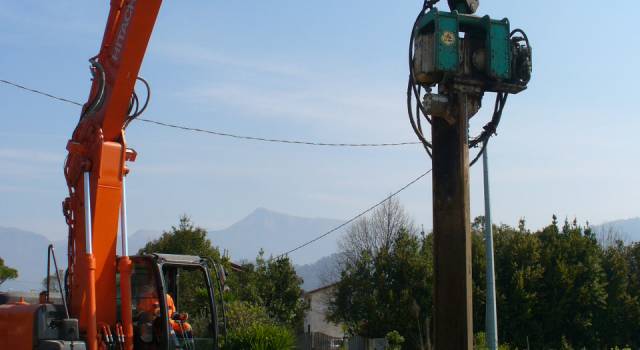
x: 108, y: 301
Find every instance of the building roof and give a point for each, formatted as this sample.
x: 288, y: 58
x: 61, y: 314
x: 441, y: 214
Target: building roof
x: 321, y: 288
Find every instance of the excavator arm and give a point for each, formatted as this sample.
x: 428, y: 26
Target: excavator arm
x: 95, y: 169
x: 156, y: 286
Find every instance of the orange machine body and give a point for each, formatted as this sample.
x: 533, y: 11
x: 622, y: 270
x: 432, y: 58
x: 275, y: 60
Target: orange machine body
x: 17, y: 325
x: 98, y: 149
x: 98, y: 146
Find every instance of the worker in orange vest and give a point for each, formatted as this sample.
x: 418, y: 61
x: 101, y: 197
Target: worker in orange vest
x: 177, y: 321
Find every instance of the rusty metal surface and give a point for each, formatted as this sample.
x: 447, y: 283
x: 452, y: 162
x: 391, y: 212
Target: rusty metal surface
x: 453, y: 326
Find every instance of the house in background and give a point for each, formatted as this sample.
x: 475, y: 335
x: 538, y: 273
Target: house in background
x: 321, y: 334
x: 315, y: 320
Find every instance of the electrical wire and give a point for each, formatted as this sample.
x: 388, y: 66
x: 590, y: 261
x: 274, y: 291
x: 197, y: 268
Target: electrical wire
x: 262, y: 139
x: 40, y: 92
x: 361, y: 214
x: 218, y: 133
x: 136, y: 114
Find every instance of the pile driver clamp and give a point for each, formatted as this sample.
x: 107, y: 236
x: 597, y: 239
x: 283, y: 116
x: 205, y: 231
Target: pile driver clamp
x: 464, y: 55
x: 476, y: 50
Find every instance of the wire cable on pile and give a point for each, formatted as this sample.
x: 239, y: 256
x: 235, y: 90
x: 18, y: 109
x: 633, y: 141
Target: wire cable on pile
x: 414, y: 90
x: 361, y: 214
x: 136, y: 115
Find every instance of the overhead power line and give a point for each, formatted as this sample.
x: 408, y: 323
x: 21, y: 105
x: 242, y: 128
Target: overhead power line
x: 298, y: 142
x: 40, y: 93
x: 355, y: 217
x: 223, y: 134
x: 253, y: 138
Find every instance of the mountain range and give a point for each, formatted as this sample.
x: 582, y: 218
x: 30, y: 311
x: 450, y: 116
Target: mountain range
x: 27, y: 252
x: 262, y: 229
x: 276, y: 233
x: 320, y: 273
x: 628, y: 230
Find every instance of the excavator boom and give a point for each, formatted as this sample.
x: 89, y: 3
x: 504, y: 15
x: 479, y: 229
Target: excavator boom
x: 157, y: 292
x: 95, y: 165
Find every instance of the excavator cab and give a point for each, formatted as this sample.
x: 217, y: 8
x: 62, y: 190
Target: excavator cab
x: 174, y: 303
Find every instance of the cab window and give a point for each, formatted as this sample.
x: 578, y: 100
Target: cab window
x: 189, y: 307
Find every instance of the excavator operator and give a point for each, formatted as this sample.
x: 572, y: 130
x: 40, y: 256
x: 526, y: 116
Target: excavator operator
x: 178, y: 321
x: 148, y: 311
x: 150, y: 305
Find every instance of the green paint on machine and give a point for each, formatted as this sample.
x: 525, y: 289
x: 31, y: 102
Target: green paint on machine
x: 443, y: 39
x: 499, y: 48
x: 447, y: 43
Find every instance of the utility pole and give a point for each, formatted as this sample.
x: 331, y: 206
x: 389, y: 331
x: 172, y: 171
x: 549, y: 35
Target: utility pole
x: 463, y: 56
x: 491, y: 317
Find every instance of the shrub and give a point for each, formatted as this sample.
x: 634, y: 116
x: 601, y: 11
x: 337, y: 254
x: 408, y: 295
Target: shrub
x: 480, y: 342
x: 260, y: 337
x: 395, y: 340
x: 241, y: 314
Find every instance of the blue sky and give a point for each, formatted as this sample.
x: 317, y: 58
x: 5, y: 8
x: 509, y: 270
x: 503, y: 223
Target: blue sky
x: 332, y: 71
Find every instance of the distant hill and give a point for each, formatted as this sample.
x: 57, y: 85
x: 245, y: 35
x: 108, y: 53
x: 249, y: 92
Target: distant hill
x: 263, y: 228
x: 139, y: 239
x: 629, y: 229
x: 275, y: 233
x: 27, y: 252
x: 320, y: 273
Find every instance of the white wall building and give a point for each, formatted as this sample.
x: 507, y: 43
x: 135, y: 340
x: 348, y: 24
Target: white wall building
x: 315, y: 319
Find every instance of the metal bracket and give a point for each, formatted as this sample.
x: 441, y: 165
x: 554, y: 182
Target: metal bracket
x: 438, y: 106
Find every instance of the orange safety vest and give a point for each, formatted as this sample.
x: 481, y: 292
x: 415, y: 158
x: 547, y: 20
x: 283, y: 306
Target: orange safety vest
x: 177, y: 327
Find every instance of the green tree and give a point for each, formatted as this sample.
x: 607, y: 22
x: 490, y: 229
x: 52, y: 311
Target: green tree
x: 355, y: 297
x: 620, y: 322
x: 7, y: 273
x: 273, y: 284
x: 186, y: 239
x: 621, y: 306
x: 551, y: 286
x: 478, y: 269
x: 387, y: 288
x: 518, y: 276
x: 633, y: 259
x: 572, y: 294
x: 270, y: 284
